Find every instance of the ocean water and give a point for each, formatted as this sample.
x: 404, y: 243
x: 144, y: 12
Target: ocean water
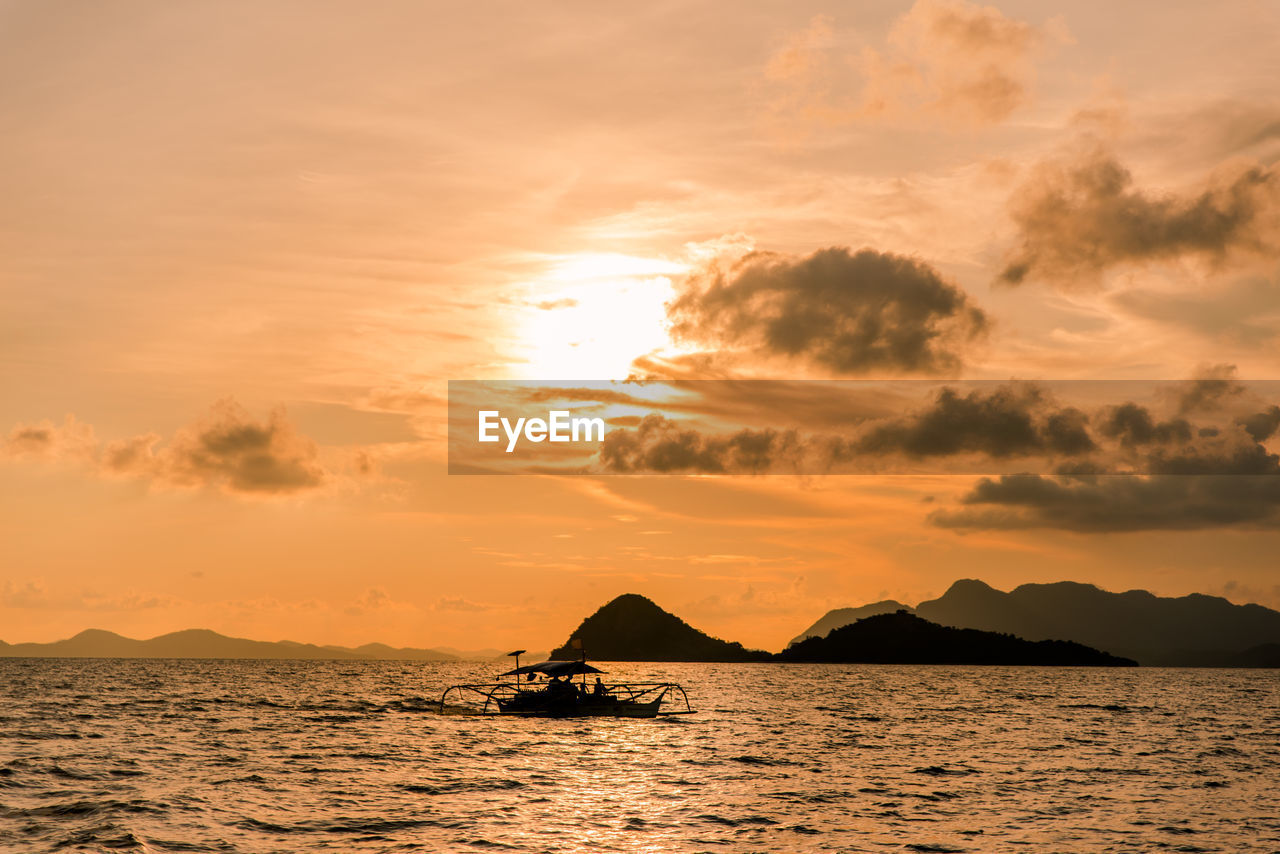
x: 231, y: 756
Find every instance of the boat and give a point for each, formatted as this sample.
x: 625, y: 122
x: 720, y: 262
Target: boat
x: 547, y: 690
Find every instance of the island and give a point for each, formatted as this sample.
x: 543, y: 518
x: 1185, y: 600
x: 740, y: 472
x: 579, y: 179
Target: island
x: 903, y: 638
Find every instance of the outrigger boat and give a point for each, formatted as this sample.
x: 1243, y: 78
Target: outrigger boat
x: 548, y: 691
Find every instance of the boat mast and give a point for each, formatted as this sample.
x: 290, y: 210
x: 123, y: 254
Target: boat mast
x: 516, y: 675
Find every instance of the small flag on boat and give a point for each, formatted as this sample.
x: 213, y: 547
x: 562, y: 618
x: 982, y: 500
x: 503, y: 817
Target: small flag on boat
x: 576, y: 643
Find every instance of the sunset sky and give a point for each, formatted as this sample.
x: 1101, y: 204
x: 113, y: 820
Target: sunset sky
x: 244, y: 246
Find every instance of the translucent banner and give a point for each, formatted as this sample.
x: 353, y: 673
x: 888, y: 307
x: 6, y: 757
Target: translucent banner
x: 1078, y: 428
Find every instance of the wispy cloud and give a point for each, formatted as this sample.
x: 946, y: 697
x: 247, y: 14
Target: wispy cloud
x: 1079, y: 216
x: 228, y: 450
x: 949, y: 60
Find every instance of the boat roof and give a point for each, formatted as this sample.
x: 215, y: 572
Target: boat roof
x: 555, y: 668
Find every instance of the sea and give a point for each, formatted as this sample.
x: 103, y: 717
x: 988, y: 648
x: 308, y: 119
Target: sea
x: 302, y: 756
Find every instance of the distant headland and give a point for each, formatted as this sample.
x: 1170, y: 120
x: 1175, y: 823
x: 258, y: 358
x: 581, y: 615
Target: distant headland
x: 903, y: 638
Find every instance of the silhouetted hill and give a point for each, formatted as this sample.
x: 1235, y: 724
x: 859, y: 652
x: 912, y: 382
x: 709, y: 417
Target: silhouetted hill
x: 203, y: 643
x: 1195, y: 630
x: 632, y: 628
x: 903, y: 638
x: 844, y: 616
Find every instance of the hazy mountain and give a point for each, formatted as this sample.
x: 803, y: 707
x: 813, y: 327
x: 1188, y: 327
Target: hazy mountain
x: 903, y: 638
x: 1194, y: 630
x: 203, y: 643
x: 844, y: 616
x: 632, y: 628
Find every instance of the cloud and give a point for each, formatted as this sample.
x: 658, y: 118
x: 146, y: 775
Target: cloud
x: 129, y: 456
x: 950, y: 59
x: 1079, y: 217
x: 1154, y: 474
x: 228, y: 449
x: 987, y: 429
x: 374, y: 600
x: 1011, y: 420
x: 1261, y: 425
x: 960, y: 59
x: 660, y: 445
x: 837, y: 310
x: 1116, y: 504
x: 231, y: 450
x: 1132, y: 425
x: 1221, y: 455
x: 28, y: 594
x: 71, y: 440
x: 33, y: 595
x: 1210, y: 389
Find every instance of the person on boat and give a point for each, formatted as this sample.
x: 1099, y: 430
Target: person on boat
x: 599, y: 690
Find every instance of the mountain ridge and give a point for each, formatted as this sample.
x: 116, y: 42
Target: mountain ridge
x: 1195, y: 630
x: 206, y: 643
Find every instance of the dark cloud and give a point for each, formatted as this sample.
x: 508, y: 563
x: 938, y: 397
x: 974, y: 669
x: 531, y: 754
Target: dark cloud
x: 1010, y: 420
x: 1179, y: 481
x: 1065, y: 432
x: 981, y: 431
x: 660, y: 445
x: 1213, y: 386
x: 1117, y: 503
x: 1013, y: 420
x: 842, y: 311
x: 1078, y: 219
x: 1220, y: 458
x: 1261, y: 425
x: 1133, y: 426
x: 230, y: 449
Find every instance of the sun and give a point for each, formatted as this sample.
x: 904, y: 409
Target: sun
x: 588, y: 316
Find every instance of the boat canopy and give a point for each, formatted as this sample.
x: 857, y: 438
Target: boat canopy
x: 555, y: 668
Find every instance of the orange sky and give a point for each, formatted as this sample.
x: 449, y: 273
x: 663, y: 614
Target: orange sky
x: 244, y: 246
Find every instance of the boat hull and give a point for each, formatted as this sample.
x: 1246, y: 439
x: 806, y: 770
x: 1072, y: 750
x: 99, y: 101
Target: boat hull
x: 579, y: 708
